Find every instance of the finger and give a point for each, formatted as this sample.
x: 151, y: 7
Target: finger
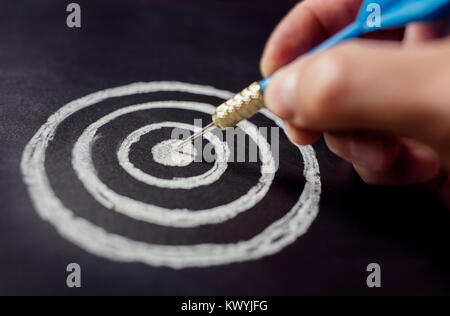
x: 305, y: 26
x: 385, y: 160
x: 417, y: 33
x: 396, y: 35
x: 367, y: 86
x: 371, y: 151
x: 415, y: 164
x: 299, y: 136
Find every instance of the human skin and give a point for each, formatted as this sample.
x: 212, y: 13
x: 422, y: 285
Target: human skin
x: 382, y: 103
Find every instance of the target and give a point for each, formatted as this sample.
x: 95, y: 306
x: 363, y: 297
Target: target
x: 100, y: 241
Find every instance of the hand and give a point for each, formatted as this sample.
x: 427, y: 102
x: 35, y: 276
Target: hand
x: 382, y: 105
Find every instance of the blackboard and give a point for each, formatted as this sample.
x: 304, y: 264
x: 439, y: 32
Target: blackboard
x: 45, y: 65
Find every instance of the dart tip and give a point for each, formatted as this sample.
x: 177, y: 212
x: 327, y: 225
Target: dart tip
x: 196, y: 135
x: 184, y: 143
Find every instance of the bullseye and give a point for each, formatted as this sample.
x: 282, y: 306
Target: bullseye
x: 166, y: 153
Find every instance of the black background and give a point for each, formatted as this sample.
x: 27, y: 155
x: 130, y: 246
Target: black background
x: 44, y: 65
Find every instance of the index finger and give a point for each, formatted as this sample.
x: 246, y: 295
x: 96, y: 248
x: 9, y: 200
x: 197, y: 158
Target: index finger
x: 306, y: 25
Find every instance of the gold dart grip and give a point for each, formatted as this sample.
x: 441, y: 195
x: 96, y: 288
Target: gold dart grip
x: 240, y: 107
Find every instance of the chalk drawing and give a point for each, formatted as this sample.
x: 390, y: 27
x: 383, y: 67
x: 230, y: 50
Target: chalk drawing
x: 166, y: 153
x: 98, y: 241
x: 161, y: 152
x: 85, y: 169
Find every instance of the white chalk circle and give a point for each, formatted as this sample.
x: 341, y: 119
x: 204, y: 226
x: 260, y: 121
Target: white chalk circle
x: 98, y: 241
x: 165, y: 154
x: 84, y: 168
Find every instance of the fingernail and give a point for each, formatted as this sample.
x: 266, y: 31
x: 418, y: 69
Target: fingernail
x: 281, y: 93
x: 366, y: 154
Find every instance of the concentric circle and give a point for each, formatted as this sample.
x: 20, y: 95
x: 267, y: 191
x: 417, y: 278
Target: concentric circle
x: 212, y: 175
x: 84, y: 167
x: 97, y: 240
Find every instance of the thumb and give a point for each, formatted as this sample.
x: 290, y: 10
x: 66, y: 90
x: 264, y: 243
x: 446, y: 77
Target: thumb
x: 372, y: 86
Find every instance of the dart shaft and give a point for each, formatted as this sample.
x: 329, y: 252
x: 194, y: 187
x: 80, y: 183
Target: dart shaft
x: 242, y: 106
x: 206, y: 129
